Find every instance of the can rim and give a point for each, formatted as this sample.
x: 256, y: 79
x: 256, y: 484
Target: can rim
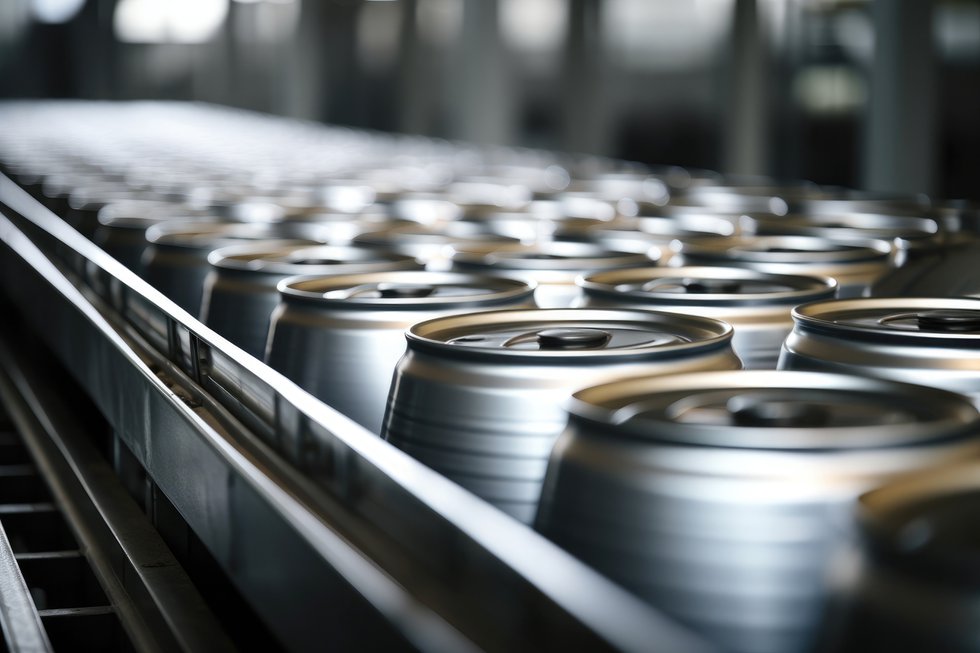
x: 815, y: 316
x: 854, y: 250
x: 251, y: 259
x: 494, y: 257
x: 962, y: 418
x: 509, y: 290
x: 811, y: 287
x: 424, y: 335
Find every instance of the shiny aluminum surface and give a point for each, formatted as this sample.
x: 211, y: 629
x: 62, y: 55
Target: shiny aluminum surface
x: 756, y: 304
x: 552, y: 265
x: 339, y: 337
x: 121, y: 229
x: 932, y: 341
x: 919, y: 579
x: 721, y: 496
x: 480, y: 397
x: 176, y: 259
x: 240, y: 290
x: 431, y: 245
x: 854, y: 264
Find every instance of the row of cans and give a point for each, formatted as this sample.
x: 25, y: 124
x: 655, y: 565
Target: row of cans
x: 566, y: 337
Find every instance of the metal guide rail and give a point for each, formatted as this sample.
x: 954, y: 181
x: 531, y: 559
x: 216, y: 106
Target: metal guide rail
x: 334, y: 537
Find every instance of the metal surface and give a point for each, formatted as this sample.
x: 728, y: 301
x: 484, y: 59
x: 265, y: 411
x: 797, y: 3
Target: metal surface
x: 23, y: 631
x: 932, y: 341
x: 756, y: 304
x: 720, y: 497
x: 176, y: 260
x: 480, y: 397
x: 326, y: 530
x: 153, y: 597
x: 553, y: 266
x: 339, y: 337
x: 855, y: 265
x: 240, y: 290
x: 918, y: 578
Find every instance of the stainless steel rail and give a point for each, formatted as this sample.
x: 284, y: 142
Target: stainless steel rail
x: 334, y: 537
x: 21, y: 624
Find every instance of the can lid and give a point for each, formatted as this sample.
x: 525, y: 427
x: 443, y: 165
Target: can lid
x: 872, y: 225
x: 288, y: 260
x: 933, y: 318
x: 784, y: 249
x: 405, y: 290
x: 551, y: 255
x: 208, y: 234
x: 562, y: 333
x: 706, y: 286
x: 777, y: 410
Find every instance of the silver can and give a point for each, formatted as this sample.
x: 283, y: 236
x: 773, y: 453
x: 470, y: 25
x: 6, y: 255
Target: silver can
x: 553, y: 265
x: 431, y: 245
x: 757, y: 304
x: 339, y: 337
x: 932, y: 341
x: 240, y: 291
x: 175, y: 261
x: 716, y: 496
x: 480, y: 397
x: 855, y: 264
x: 122, y: 226
x: 918, y: 580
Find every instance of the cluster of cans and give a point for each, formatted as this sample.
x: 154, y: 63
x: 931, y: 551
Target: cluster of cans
x: 566, y: 336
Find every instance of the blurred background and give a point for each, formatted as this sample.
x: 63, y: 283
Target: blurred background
x: 883, y: 95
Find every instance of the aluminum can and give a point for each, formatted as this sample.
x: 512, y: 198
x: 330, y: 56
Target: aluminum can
x: 122, y: 226
x: 552, y: 265
x: 757, y: 304
x: 927, y: 340
x: 339, y: 337
x: 918, y: 581
x: 479, y: 397
x: 431, y: 245
x: 240, y: 290
x: 855, y: 264
x: 716, y: 496
x: 175, y: 260
x: 912, y: 236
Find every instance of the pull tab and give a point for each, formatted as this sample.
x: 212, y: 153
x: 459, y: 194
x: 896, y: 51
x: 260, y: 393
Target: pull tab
x: 315, y: 261
x: 402, y: 291
x: 770, y: 413
x: 572, y: 338
x: 949, y: 320
x: 710, y: 286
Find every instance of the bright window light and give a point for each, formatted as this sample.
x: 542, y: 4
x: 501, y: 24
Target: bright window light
x: 168, y: 21
x: 55, y: 11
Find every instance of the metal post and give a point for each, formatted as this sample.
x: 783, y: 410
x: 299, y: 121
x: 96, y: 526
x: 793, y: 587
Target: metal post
x: 585, y: 97
x: 900, y: 153
x: 481, y: 102
x: 746, y: 119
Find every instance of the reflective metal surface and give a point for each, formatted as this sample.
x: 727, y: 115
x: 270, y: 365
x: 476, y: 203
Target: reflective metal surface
x: 756, y: 304
x: 480, y: 397
x: 240, y: 291
x: 339, y: 337
x: 720, y: 496
x: 932, y: 341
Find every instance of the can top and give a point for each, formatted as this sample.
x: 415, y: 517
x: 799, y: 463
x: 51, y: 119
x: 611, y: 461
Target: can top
x: 405, y: 290
x: 209, y: 234
x: 776, y: 410
x: 580, y: 334
x: 306, y: 259
x: 785, y: 249
x: 931, y: 318
x: 926, y: 523
x: 916, y: 230
x: 706, y: 285
x: 551, y: 255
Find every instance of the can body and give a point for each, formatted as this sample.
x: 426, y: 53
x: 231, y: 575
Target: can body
x: 488, y: 419
x: 343, y: 350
